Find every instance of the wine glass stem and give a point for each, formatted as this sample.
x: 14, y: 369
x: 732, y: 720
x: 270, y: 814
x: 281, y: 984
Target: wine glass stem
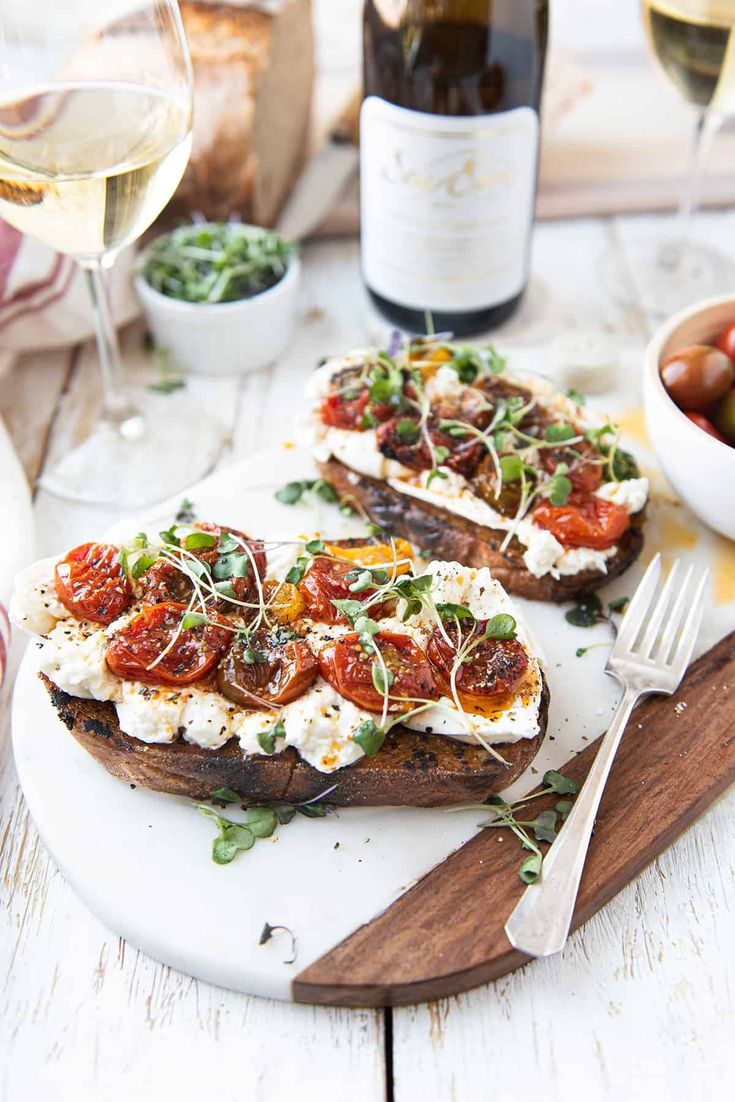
x: 706, y: 126
x: 117, y: 410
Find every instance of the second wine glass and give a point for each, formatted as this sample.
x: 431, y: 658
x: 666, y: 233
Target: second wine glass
x: 693, y: 42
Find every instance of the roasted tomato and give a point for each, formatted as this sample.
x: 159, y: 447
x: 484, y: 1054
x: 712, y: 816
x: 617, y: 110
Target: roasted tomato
x: 493, y: 667
x: 283, y: 601
x: 344, y: 413
x: 349, y: 669
x: 346, y: 406
x: 412, y: 449
x: 165, y: 581
x: 589, y: 522
x: 583, y: 461
x: 91, y: 584
x: 376, y: 554
x: 326, y: 581
x: 428, y: 350
x: 135, y: 651
x: 267, y: 669
x: 255, y: 547
x: 484, y: 482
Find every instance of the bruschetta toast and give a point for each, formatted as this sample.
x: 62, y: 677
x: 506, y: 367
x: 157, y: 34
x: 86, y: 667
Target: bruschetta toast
x: 442, y: 445
x: 207, y: 659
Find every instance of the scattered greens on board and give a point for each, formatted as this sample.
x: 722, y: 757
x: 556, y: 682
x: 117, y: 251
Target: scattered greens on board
x: 543, y: 828
x: 260, y: 822
x: 589, y: 611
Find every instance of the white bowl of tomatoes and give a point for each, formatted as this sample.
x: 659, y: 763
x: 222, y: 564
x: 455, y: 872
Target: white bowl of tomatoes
x: 689, y: 397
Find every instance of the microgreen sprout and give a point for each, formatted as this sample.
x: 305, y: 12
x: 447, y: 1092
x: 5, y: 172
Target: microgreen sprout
x: 221, y: 262
x: 267, y: 739
x: 293, y: 492
x: 185, y: 513
x: 589, y: 611
x: 530, y: 832
x: 267, y: 933
x: 261, y: 821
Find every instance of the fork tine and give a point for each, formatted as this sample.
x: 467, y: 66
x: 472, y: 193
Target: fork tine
x: 660, y: 609
x: 690, y: 628
x: 676, y: 615
x: 638, y: 607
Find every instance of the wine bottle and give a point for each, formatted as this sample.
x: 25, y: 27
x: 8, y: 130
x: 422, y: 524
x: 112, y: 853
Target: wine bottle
x: 449, y: 137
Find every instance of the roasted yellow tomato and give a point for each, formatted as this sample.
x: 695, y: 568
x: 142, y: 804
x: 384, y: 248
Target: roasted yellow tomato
x: 284, y: 602
x: 431, y: 352
x: 375, y: 554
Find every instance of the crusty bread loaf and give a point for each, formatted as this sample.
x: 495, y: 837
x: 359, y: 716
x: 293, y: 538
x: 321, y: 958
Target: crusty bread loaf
x: 450, y: 537
x: 253, y: 80
x: 411, y: 769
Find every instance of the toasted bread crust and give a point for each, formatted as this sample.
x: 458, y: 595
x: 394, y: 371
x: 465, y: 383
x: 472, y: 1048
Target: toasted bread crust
x: 411, y: 769
x: 453, y: 538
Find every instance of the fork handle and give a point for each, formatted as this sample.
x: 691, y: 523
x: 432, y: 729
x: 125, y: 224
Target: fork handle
x: 539, y: 924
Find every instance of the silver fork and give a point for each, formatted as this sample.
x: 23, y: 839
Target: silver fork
x: 651, y: 653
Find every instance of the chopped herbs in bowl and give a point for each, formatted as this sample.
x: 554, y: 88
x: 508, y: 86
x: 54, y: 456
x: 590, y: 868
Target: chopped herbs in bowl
x: 220, y: 297
x: 216, y: 262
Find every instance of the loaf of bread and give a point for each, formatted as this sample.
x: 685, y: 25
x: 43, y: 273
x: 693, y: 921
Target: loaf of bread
x: 253, y: 79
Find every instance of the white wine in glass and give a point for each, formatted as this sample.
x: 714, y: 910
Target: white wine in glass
x: 694, y: 44
x: 95, y: 134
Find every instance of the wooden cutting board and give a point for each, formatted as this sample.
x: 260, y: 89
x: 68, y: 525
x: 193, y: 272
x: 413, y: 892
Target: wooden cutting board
x: 446, y: 934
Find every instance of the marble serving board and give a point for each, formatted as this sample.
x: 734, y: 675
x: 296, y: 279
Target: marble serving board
x: 141, y: 861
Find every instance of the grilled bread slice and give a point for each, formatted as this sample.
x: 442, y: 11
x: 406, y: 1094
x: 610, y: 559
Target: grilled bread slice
x: 411, y: 769
x: 444, y: 535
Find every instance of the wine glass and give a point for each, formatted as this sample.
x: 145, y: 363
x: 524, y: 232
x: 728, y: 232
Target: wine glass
x: 95, y: 134
x: 693, y: 42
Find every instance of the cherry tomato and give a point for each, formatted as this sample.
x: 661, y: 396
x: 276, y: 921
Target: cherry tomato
x: 724, y: 416
x: 349, y: 669
x: 697, y: 376
x: 91, y: 584
x: 726, y: 341
x: 266, y: 669
x: 493, y: 667
x: 585, y: 470
x: 342, y: 410
x: 428, y: 350
x: 705, y: 424
x: 255, y: 547
x: 283, y: 601
x: 344, y: 413
x: 506, y: 500
x: 192, y: 655
x: 326, y: 581
x: 376, y: 554
x: 165, y: 580
x: 413, y: 451
x: 589, y: 522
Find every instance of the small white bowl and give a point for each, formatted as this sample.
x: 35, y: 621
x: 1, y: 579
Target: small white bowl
x: 700, y: 468
x: 223, y: 338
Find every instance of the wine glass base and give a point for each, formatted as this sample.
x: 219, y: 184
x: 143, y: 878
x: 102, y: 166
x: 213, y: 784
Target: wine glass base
x: 123, y: 473
x: 666, y: 276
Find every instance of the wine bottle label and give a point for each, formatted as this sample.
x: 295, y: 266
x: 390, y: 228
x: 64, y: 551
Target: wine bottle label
x: 446, y: 205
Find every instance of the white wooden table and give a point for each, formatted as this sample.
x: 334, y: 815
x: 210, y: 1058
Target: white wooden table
x: 640, y: 1004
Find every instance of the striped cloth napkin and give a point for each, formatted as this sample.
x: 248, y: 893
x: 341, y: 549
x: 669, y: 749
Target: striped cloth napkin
x: 44, y: 302
x: 17, y: 544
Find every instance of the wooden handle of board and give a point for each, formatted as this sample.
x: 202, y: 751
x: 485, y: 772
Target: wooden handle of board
x: 446, y: 934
